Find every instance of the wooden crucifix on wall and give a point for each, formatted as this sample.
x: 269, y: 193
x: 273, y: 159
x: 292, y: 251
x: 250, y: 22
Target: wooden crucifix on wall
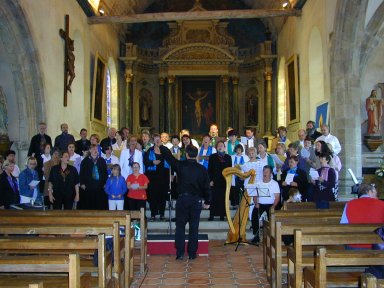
x: 69, y: 59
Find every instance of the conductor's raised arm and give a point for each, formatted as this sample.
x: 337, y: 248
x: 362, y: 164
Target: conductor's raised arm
x: 169, y: 158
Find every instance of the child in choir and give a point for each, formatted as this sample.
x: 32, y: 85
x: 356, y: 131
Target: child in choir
x: 116, y: 189
x: 109, y: 158
x: 137, y: 184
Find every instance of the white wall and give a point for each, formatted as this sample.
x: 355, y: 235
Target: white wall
x: 295, y: 39
x: 45, y: 18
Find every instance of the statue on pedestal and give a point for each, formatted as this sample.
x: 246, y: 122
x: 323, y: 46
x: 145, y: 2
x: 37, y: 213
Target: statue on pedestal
x: 374, y: 108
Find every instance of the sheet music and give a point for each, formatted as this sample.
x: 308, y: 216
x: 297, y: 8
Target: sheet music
x: 250, y: 143
x: 243, y: 140
x: 314, y: 174
x: 305, y: 153
x: 289, y: 178
x: 34, y: 183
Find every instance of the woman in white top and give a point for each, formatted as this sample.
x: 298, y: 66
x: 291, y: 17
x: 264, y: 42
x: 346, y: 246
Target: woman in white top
x: 74, y: 158
x: 205, y: 151
x: 238, y: 160
x: 109, y: 158
x: 120, y: 144
x: 129, y: 156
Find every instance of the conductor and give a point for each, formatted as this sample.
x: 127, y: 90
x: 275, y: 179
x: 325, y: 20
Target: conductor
x: 193, y: 187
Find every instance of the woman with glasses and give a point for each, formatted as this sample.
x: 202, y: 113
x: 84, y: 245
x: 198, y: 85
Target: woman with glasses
x: 9, y: 192
x: 137, y: 184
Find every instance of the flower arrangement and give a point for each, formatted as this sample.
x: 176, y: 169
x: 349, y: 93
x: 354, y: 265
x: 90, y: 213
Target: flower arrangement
x: 380, y: 171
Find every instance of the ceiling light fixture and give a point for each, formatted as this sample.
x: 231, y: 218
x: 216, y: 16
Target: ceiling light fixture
x: 285, y: 4
x: 101, y: 12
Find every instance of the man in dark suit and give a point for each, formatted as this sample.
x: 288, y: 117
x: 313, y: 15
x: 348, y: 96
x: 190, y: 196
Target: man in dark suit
x: 62, y: 141
x: 83, y: 144
x: 193, y: 186
x: 39, y: 140
x: 110, y: 140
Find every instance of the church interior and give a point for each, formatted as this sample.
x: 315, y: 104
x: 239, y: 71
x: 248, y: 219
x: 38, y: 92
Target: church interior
x: 331, y: 50
x: 168, y: 65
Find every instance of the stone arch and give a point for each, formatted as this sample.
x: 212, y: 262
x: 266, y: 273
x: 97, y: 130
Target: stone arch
x: 281, y: 94
x: 114, y: 93
x: 316, y: 70
x: 24, y: 73
x: 353, y: 44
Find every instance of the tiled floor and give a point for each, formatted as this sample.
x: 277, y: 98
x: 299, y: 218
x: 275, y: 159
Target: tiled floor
x: 224, y: 267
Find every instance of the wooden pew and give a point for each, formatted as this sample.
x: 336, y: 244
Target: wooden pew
x: 71, y: 229
x: 298, y: 206
x: 36, y: 285
x: 319, y: 277
x: 42, y: 264
x: 36, y: 245
x: 292, y: 217
x: 114, y: 215
x: 339, y: 236
x: 367, y: 281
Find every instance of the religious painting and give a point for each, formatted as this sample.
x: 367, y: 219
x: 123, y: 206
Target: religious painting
x: 292, y: 82
x: 145, y: 108
x: 98, y: 95
x: 252, y: 106
x: 322, y: 114
x: 199, y: 104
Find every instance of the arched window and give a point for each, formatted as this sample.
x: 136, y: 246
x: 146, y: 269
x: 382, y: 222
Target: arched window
x: 108, y: 93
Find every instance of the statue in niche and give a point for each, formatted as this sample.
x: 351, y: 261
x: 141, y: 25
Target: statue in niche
x: 252, y: 106
x: 374, y: 108
x: 145, y: 108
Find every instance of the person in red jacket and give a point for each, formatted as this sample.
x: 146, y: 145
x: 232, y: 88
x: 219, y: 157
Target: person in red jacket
x: 366, y: 209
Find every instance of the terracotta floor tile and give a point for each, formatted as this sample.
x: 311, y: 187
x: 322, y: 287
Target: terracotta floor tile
x: 221, y: 275
x: 174, y: 275
x: 217, y: 281
x: 152, y: 281
x: 198, y: 281
x: 197, y: 275
x: 245, y: 275
x: 173, y: 281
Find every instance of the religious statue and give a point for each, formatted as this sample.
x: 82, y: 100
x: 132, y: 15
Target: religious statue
x: 69, y: 61
x: 145, y: 107
x: 252, y: 106
x: 374, y: 108
x: 197, y: 97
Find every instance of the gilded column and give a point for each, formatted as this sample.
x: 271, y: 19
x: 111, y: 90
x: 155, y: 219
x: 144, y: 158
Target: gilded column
x: 171, y: 108
x: 235, y: 107
x: 268, y: 102
x: 128, y: 100
x: 225, y: 105
x: 162, y: 105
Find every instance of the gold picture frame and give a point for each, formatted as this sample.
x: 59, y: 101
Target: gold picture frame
x: 293, y: 93
x: 209, y: 103
x: 99, y: 107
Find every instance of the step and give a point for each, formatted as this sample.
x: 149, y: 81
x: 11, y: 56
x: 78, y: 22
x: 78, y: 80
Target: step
x: 216, y: 230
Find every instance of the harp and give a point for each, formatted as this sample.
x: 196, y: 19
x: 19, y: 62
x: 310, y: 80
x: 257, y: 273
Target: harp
x: 234, y: 224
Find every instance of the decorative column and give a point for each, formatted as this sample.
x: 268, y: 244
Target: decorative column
x: 171, y: 108
x: 128, y: 99
x: 235, y: 114
x: 268, y: 102
x: 161, y: 104
x: 225, y: 104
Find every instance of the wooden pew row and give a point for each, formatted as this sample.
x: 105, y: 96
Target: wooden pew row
x: 338, y: 236
x: 117, y: 215
x: 319, y: 277
x: 42, y: 264
x: 294, y: 217
x: 50, y: 246
x: 367, y: 281
x: 277, y: 251
x: 36, y: 285
x: 299, y: 206
x: 119, y: 271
